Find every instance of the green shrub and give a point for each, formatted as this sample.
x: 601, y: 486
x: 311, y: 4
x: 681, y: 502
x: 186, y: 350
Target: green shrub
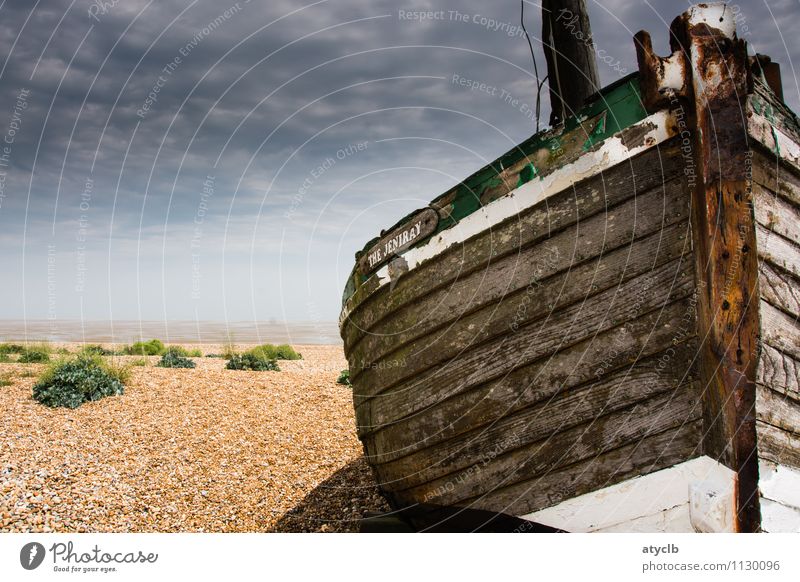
x: 182, y: 351
x: 251, y: 361
x: 174, y: 358
x: 177, y: 350
x: 34, y: 356
x: 265, y: 352
x: 344, y: 378
x: 6, y: 380
x: 152, y: 348
x: 138, y: 362
x: 216, y: 356
x: 4, y: 358
x: 70, y: 383
x: 286, y: 352
x: 11, y: 349
x: 270, y: 352
x: 95, y: 350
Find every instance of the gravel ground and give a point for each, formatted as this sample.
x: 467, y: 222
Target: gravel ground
x: 204, y: 449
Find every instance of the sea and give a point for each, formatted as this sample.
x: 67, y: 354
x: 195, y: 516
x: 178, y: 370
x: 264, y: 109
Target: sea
x: 182, y: 331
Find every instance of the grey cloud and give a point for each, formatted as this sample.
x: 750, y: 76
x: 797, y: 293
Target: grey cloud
x: 143, y: 209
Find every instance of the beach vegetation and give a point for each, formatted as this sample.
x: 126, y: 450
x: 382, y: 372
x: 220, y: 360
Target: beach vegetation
x: 87, y: 378
x: 252, y: 361
x: 153, y: 347
x: 175, y: 357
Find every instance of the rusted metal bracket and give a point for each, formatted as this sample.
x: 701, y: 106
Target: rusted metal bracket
x: 660, y: 78
x: 709, y: 70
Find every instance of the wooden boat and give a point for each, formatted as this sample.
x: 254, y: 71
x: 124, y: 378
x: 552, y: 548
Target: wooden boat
x: 599, y: 330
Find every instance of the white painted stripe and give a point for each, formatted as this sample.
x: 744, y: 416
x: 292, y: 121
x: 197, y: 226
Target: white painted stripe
x: 611, y: 153
x: 691, y: 496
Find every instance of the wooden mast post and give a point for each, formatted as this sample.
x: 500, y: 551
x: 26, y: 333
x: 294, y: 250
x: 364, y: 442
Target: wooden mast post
x: 569, y: 51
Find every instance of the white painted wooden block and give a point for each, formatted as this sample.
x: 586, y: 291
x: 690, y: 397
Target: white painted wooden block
x: 658, y: 502
x: 712, y: 506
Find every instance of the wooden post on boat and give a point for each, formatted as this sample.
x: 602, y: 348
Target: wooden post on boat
x: 569, y: 50
x: 708, y: 72
x: 725, y: 239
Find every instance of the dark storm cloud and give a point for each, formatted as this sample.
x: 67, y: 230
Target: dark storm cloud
x: 133, y: 106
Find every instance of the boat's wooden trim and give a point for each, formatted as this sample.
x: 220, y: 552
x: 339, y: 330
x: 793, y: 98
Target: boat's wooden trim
x: 649, y: 173
x: 615, y: 150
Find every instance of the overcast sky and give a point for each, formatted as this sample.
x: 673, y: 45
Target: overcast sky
x: 198, y: 159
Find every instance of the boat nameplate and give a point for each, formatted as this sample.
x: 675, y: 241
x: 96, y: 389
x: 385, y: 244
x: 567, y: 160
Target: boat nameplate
x: 421, y: 225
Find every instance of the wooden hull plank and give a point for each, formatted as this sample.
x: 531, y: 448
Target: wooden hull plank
x: 573, y: 406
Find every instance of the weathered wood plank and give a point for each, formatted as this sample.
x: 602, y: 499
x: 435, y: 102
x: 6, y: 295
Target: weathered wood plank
x: 780, y: 410
x: 779, y: 288
x: 779, y: 371
x: 645, y: 456
x: 560, y: 328
x: 778, y: 250
x: 576, y: 365
x: 769, y: 137
x: 598, y: 235
x: 780, y: 115
x: 650, y: 170
x: 542, y: 292
x: 780, y: 331
x: 574, y: 445
x: 776, y: 214
x: 565, y: 327
x: 574, y: 406
x: 775, y: 176
x: 778, y: 446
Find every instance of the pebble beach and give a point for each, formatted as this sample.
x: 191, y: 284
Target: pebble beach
x: 188, y: 450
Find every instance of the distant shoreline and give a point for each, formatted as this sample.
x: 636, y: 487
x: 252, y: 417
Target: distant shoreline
x: 178, y: 331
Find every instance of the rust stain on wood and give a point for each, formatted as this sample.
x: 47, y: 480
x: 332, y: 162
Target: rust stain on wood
x: 727, y: 266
